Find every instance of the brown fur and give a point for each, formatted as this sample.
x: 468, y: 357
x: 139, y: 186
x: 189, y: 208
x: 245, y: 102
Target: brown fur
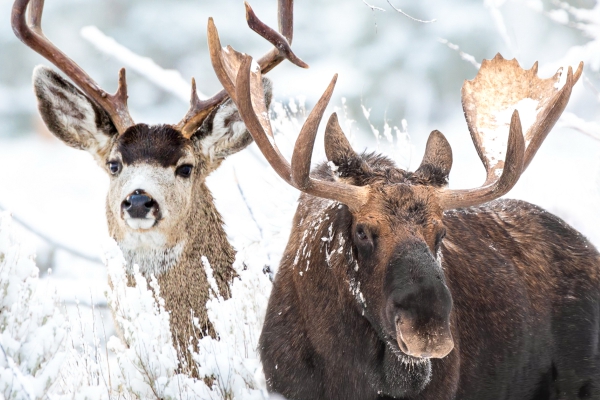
x: 525, y: 319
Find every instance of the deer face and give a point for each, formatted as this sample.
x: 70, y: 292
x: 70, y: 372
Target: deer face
x: 156, y: 174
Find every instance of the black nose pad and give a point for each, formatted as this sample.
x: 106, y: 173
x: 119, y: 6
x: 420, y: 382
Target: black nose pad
x: 138, y: 204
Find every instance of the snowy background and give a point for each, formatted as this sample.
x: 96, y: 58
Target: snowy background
x: 394, y: 72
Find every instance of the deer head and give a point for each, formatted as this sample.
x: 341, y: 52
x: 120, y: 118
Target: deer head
x: 156, y: 172
x: 392, y: 220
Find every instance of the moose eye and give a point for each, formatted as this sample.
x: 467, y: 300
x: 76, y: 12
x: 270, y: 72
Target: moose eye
x: 184, y: 171
x: 361, y: 234
x: 114, y: 167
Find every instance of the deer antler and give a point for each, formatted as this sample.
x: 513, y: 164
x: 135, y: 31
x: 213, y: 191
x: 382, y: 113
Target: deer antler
x: 490, y: 101
x: 200, y: 109
x: 31, y: 34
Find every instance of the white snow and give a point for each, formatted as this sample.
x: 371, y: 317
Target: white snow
x: 61, y: 191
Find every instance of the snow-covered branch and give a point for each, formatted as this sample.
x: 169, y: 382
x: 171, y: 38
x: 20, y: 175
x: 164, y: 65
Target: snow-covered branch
x: 167, y: 79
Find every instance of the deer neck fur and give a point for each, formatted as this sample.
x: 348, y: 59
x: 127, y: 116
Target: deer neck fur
x: 162, y: 255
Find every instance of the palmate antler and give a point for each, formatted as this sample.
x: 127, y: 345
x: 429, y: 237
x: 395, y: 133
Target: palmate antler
x: 507, y: 104
x: 29, y: 31
x: 491, y: 102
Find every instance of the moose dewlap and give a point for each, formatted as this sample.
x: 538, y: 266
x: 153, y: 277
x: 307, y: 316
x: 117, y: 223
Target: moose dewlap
x: 392, y: 285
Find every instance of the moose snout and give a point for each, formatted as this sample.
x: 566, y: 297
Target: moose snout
x: 423, y: 342
x: 139, y: 205
x: 421, y: 318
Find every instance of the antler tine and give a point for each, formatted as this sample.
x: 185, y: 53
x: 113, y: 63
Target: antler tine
x: 306, y: 140
x: 551, y: 114
x: 199, y: 110
x: 282, y: 49
x: 353, y: 196
x: 253, y: 114
x: 32, y: 35
x: 285, y: 13
x: 513, y: 168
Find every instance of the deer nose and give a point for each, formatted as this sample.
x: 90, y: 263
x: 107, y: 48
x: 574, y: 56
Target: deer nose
x: 139, y: 204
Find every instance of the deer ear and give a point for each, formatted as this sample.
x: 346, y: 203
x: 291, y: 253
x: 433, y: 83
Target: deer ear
x: 437, y: 161
x: 223, y: 132
x: 70, y: 115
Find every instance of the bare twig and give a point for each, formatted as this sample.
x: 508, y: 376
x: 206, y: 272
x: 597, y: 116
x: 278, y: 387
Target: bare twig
x: 408, y: 16
x: 372, y: 7
x: 589, y: 128
x: 167, y: 79
x: 465, y: 56
x: 247, y: 204
x: 16, y: 373
x: 52, y: 242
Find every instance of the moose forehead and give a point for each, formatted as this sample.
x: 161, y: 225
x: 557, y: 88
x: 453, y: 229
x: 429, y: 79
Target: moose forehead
x: 159, y: 144
x: 405, y: 203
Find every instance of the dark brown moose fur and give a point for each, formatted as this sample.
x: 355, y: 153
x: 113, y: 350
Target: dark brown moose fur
x: 525, y: 291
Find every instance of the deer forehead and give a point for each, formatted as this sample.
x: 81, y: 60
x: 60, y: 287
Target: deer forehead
x: 159, y: 145
x: 152, y: 179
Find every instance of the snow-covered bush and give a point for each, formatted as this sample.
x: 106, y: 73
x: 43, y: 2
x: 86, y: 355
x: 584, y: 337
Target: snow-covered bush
x: 41, y: 356
x: 147, y: 361
x: 33, y: 331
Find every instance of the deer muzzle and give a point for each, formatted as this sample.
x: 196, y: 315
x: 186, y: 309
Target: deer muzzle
x: 139, y: 210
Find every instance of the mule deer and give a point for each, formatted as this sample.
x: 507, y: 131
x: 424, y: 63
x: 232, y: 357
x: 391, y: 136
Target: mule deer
x: 158, y: 207
x: 392, y: 285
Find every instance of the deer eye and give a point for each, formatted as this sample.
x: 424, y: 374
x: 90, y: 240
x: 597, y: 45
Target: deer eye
x: 184, y: 171
x: 114, y: 167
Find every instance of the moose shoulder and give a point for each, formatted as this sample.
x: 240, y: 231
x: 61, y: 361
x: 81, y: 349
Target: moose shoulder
x: 392, y: 285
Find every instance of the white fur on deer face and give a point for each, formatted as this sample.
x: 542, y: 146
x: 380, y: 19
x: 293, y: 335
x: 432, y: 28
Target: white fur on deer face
x: 153, y: 170
x: 157, y: 175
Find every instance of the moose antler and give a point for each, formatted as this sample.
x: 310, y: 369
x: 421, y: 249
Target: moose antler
x: 490, y: 102
x: 30, y: 32
x: 200, y: 109
x: 242, y: 79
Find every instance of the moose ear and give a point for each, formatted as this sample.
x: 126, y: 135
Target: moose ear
x: 70, y: 115
x: 437, y: 161
x: 339, y: 151
x: 223, y: 132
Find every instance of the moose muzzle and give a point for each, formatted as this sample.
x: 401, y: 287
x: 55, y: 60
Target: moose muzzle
x: 435, y: 342
x: 418, y: 302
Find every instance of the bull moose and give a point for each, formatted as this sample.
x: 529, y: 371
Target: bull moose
x: 392, y: 285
